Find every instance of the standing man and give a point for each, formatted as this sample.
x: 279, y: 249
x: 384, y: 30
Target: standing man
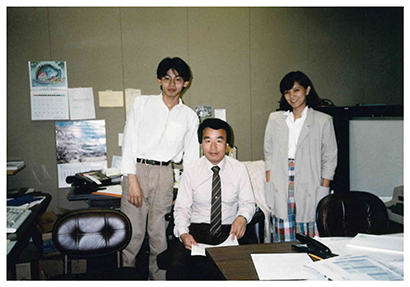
x: 214, y: 200
x: 159, y: 129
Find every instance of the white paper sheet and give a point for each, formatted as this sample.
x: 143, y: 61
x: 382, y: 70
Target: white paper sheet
x: 130, y: 95
x: 220, y: 114
x: 81, y: 103
x: 200, y: 249
x: 284, y: 266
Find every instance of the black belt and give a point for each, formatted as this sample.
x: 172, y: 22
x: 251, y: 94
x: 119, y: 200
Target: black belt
x: 152, y: 162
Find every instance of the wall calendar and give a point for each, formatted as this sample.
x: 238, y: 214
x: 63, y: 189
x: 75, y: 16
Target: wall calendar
x: 49, y: 105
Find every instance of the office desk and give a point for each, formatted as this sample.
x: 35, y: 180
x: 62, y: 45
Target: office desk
x: 94, y: 200
x: 20, y: 239
x: 235, y: 262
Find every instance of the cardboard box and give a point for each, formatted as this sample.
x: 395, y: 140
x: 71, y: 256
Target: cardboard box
x: 45, y: 226
x: 46, y: 223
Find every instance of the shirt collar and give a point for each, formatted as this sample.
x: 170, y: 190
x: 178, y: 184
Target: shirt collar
x: 304, y: 113
x: 209, y: 165
x: 180, y: 103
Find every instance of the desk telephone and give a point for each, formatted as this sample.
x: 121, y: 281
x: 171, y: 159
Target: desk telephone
x: 87, y: 182
x: 312, y: 246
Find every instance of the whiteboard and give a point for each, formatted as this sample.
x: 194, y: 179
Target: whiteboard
x: 376, y: 155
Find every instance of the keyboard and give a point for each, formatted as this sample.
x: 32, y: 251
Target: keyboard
x: 16, y: 217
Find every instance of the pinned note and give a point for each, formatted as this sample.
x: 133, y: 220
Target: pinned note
x: 109, y: 99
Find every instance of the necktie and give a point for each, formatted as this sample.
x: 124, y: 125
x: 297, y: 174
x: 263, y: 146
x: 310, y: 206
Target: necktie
x: 216, y: 218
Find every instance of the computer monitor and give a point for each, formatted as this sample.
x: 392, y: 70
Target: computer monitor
x: 376, y: 155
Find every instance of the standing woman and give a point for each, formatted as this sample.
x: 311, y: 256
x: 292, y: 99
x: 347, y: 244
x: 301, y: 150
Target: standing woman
x: 300, y: 159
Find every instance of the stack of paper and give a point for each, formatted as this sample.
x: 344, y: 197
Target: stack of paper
x: 357, y: 267
x: 364, y: 257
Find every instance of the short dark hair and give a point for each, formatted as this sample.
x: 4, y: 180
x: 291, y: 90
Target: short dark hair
x: 215, y: 124
x: 312, y: 100
x: 176, y: 64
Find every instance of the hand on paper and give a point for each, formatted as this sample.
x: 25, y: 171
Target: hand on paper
x: 188, y: 240
x: 134, y: 191
x: 238, y: 227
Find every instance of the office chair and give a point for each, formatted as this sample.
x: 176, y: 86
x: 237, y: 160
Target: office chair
x: 348, y: 213
x: 96, y: 235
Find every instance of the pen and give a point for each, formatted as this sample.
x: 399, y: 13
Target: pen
x: 315, y: 256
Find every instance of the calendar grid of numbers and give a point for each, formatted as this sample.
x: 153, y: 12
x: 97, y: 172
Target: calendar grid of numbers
x: 49, y: 105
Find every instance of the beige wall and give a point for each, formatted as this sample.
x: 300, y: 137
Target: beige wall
x: 237, y: 55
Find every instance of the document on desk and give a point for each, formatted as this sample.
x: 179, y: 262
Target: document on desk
x: 284, y: 266
x: 380, y: 243
x: 200, y: 249
x: 357, y: 267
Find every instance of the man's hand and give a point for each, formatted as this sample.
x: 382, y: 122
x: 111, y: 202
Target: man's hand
x: 134, y: 191
x: 188, y: 240
x: 238, y: 227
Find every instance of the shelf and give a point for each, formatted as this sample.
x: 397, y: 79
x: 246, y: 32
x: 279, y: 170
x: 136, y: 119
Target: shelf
x: 14, y: 171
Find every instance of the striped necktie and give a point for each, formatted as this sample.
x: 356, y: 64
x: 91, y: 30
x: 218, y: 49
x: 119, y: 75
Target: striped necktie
x: 216, y: 218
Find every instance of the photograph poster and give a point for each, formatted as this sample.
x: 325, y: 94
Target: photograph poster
x: 81, y: 146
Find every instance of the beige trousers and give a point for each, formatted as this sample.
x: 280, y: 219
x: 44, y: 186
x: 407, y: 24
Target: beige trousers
x: 156, y: 183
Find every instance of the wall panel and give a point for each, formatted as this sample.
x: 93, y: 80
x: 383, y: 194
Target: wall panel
x: 279, y: 44
x: 219, y: 57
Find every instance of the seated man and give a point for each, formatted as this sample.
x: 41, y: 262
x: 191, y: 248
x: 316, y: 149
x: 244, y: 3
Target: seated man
x: 200, y: 215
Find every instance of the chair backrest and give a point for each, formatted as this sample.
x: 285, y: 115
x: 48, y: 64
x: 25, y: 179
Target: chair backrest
x: 92, y: 232
x: 350, y: 213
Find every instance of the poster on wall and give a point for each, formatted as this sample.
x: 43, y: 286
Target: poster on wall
x: 48, y: 75
x: 81, y: 146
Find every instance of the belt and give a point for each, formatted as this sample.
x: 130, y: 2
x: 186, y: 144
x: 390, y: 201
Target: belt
x: 152, y: 162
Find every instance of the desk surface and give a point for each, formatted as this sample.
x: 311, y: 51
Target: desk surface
x: 235, y: 262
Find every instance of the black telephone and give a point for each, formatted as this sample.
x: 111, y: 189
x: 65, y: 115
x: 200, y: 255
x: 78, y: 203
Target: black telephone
x: 312, y: 246
x: 87, y: 182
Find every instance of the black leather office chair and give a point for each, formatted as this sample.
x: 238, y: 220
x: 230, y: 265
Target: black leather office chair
x: 97, y: 235
x: 350, y: 213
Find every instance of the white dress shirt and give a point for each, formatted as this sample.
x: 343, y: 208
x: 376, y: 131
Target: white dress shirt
x: 154, y: 132
x: 193, y: 204
x: 295, y: 127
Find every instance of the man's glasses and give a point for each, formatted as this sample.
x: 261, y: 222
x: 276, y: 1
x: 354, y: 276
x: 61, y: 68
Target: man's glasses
x: 178, y: 80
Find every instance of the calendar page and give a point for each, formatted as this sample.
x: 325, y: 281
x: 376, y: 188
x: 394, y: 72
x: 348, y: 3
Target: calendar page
x: 49, y: 105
